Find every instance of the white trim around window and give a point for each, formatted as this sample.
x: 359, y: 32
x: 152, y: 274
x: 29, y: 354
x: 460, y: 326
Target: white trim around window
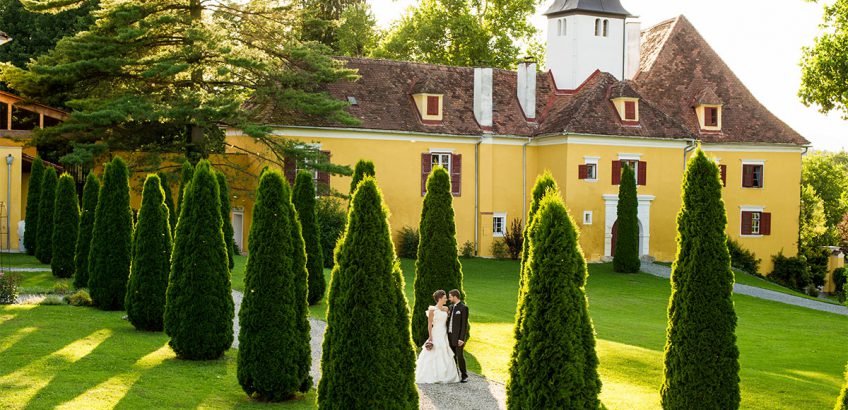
x: 587, y: 217
x: 629, y: 157
x: 592, y: 161
x: 495, y: 217
x: 441, y: 150
x: 753, y: 162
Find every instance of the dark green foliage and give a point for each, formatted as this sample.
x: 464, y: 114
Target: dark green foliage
x: 66, y: 217
x: 227, y: 223
x: 626, y: 254
x: 817, y: 260
x: 169, y: 200
x: 89, y: 205
x: 35, y: 33
x: 554, y: 365
x: 363, y: 168
x: 408, y: 239
x: 437, y: 265
x: 368, y: 360
x: 46, y: 203
x: 839, y: 278
x: 274, y: 353
x: 792, y: 272
x: 33, y: 194
x: 743, y: 259
x: 151, y: 263
x: 331, y: 217
x: 199, y: 305
x: 701, y: 363
x: 111, y: 239
x: 514, y: 239
x: 185, y: 178
x: 303, y: 197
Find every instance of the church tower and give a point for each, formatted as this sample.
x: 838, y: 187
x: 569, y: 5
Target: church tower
x: 584, y: 36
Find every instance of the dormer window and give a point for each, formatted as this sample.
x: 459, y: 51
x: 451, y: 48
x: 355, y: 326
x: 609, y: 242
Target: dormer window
x: 709, y: 116
x: 429, y: 107
x: 628, y: 109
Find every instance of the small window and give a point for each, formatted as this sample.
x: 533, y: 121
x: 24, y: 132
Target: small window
x: 352, y: 100
x: 711, y: 116
x: 606, y: 28
x: 564, y: 23
x: 433, y: 105
x: 597, y: 27
x: 498, y: 225
x: 634, y: 165
x: 753, y: 175
x: 559, y: 27
x: 441, y: 159
x: 755, y: 223
x: 592, y: 171
x: 587, y: 217
x: 630, y: 110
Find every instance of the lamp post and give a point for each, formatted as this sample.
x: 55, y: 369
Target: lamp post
x: 9, y: 160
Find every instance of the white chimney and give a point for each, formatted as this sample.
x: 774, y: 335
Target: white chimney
x: 483, y: 96
x: 633, y: 49
x: 527, y: 88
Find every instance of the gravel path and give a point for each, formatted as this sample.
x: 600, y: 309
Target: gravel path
x: 665, y: 272
x: 14, y: 269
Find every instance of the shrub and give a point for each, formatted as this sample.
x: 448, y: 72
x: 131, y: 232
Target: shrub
x: 407, y: 246
x: 467, y: 249
x: 165, y: 181
x: 52, y: 300
x: 555, y: 320
x: 111, y: 239
x: 791, y: 272
x: 499, y: 249
x: 89, y: 205
x: 9, y: 287
x: 839, y: 278
x: 198, y: 302
x: 186, y: 173
x: 227, y: 223
x: 46, y: 204
x: 66, y: 227
x: 842, y: 400
x: 626, y: 253
x: 514, y: 239
x: 362, y: 169
x: 32, y: 206
x: 743, y: 259
x: 303, y: 197
x: 817, y: 262
x: 383, y: 362
x: 61, y: 287
x: 79, y: 298
x: 812, y: 290
x: 701, y: 360
x: 151, y: 253
x: 274, y: 352
x: 437, y: 265
x: 331, y: 218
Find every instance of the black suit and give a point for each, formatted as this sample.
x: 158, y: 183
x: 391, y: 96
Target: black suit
x: 458, y: 330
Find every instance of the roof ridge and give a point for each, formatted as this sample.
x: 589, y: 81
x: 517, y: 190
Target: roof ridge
x: 673, y: 22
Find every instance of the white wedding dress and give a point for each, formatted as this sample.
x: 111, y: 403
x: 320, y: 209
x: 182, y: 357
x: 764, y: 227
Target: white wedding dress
x: 437, y: 365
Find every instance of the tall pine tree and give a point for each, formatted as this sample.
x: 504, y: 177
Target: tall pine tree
x: 366, y: 298
x: 274, y: 352
x: 227, y: 222
x: 186, y: 172
x: 626, y: 256
x: 46, y: 204
x: 303, y: 196
x: 437, y: 265
x: 164, y: 180
x: 66, y: 216
x: 701, y: 363
x: 33, y: 193
x: 364, y: 168
x: 89, y: 205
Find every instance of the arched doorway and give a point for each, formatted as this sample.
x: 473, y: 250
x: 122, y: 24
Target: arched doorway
x: 615, y: 236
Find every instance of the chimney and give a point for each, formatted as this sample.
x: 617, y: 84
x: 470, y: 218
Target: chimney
x: 633, y: 49
x: 527, y: 88
x: 483, y: 97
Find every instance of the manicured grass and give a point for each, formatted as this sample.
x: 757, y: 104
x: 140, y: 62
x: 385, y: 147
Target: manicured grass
x: 20, y: 260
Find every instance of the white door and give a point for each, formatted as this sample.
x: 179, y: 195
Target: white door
x: 238, y: 230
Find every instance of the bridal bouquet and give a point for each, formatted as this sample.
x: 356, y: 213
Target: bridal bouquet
x: 428, y: 345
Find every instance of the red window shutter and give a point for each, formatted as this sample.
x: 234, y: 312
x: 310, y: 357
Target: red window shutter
x: 323, y: 187
x: 746, y: 222
x: 765, y: 223
x: 426, y: 167
x: 643, y: 173
x: 582, y: 171
x: 747, y: 176
x: 630, y: 110
x: 456, y: 174
x: 708, y: 117
x: 616, y: 172
x: 433, y: 105
x: 290, y: 169
x: 723, y: 170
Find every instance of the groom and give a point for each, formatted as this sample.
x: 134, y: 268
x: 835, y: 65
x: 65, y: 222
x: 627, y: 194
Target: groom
x: 458, y: 331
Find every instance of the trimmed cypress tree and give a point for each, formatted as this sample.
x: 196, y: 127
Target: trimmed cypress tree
x: 701, y: 363
x: 151, y: 260
x: 111, y: 239
x: 626, y: 256
x: 842, y: 400
x: 362, y: 169
x: 46, y: 204
x: 33, y: 194
x: 274, y: 353
x: 198, y: 302
x: 66, y: 217
x: 368, y: 357
x: 227, y: 223
x: 164, y: 180
x: 185, y: 178
x: 303, y: 196
x: 89, y: 205
x: 437, y: 265
x: 555, y: 359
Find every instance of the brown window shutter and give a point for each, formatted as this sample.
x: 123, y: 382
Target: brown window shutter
x: 746, y: 222
x: 582, y: 171
x: 426, y: 167
x: 323, y: 186
x: 723, y: 170
x: 456, y: 174
x: 643, y: 173
x: 433, y: 105
x: 616, y: 172
x: 765, y: 223
x: 630, y: 110
x: 290, y: 169
x: 747, y: 176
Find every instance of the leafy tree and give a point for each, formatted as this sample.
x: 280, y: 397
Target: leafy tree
x: 364, y: 168
x: 626, y: 257
x: 227, y: 226
x: 187, y: 172
x: 89, y: 205
x: 813, y: 225
x: 556, y: 325
x: 828, y: 176
x: 701, y: 363
x: 463, y: 33
x: 274, y: 352
x: 46, y: 203
x: 321, y: 20
x: 164, y: 180
x: 331, y: 217
x: 366, y: 268
x: 437, y: 265
x: 357, y: 34
x: 303, y: 197
x: 33, y: 194
x: 824, y: 65
x: 111, y: 239
x: 66, y: 217
x: 151, y: 253
x: 34, y: 34
x: 198, y: 302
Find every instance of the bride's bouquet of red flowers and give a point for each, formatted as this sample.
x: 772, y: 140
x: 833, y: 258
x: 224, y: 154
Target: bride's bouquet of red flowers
x: 428, y: 345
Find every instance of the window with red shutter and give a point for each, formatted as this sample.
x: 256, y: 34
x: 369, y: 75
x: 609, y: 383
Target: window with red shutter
x: 642, y: 173
x: 322, y: 186
x: 433, y: 105
x: 290, y: 169
x: 765, y: 223
x: 747, y: 176
x: 616, y: 172
x: 746, y: 222
x: 582, y: 171
x: 456, y: 174
x: 711, y: 116
x: 723, y: 170
x: 426, y: 167
x: 630, y: 110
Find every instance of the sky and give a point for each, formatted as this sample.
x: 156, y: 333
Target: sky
x: 760, y: 40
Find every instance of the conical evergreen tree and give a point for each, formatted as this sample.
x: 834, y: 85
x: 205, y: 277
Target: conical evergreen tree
x: 198, y: 303
x: 66, y: 227
x: 626, y: 256
x: 366, y: 298
x: 701, y: 358
x: 111, y: 239
x: 33, y: 194
x: 186, y: 174
x: 364, y: 168
x: 89, y: 205
x: 227, y: 223
x: 555, y: 359
x: 842, y: 400
x: 437, y: 265
x: 46, y: 204
x: 164, y: 180
x: 274, y: 353
x: 151, y: 263
x: 303, y: 196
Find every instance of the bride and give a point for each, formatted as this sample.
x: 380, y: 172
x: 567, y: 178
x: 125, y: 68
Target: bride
x: 435, y: 363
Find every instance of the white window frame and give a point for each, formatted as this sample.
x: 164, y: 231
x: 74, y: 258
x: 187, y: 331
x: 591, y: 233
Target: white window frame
x: 756, y: 210
x: 762, y: 164
x: 502, y: 217
x: 593, y: 161
x: 587, y: 217
x: 441, y: 155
